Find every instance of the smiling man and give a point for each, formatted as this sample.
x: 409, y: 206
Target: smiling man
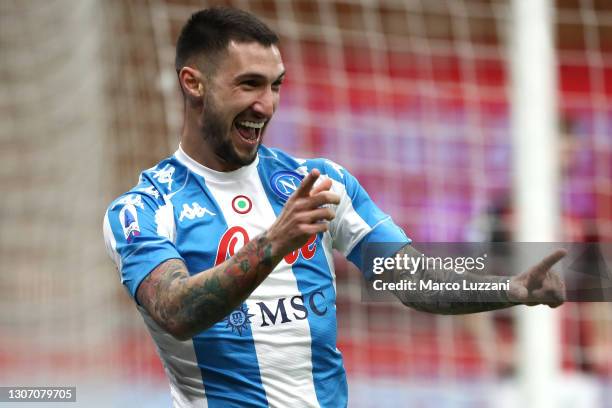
x: 231, y: 101
x: 226, y: 246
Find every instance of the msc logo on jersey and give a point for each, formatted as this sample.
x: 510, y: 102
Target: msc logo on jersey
x: 129, y: 222
x: 284, y: 183
x: 296, y: 308
x: 239, y: 319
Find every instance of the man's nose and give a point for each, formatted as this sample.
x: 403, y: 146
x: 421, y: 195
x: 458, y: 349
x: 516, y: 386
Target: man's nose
x: 265, y: 103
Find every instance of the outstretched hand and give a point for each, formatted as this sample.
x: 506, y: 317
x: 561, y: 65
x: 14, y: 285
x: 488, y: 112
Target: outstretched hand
x: 539, y: 285
x: 304, y: 214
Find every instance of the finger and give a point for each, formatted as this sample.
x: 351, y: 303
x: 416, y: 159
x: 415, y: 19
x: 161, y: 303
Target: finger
x: 538, y: 272
x: 320, y: 214
x: 324, y: 185
x: 552, y: 293
x: 550, y: 300
x: 306, y: 185
x: 312, y: 229
x: 546, y: 295
x: 324, y: 197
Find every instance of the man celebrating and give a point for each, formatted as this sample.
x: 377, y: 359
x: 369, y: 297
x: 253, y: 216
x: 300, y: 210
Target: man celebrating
x: 226, y: 246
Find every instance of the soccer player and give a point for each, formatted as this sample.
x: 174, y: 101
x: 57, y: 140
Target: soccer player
x: 226, y: 246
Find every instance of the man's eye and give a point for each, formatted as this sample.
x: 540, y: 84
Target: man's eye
x: 249, y: 84
x: 276, y: 86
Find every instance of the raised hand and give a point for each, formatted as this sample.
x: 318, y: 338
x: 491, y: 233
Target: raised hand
x: 302, y: 215
x: 539, y: 285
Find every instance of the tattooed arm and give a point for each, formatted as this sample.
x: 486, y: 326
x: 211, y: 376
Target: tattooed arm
x: 184, y: 305
x: 538, y: 285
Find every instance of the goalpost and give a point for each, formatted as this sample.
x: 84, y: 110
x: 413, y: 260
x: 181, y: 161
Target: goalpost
x: 536, y: 187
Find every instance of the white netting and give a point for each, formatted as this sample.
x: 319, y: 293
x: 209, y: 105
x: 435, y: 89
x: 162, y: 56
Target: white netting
x: 584, y: 31
x: 54, y: 283
x: 410, y: 96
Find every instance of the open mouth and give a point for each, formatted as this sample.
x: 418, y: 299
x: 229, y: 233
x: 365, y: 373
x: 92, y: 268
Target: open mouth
x: 249, y: 131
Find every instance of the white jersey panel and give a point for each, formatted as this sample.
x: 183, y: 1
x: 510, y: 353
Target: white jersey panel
x: 283, y: 351
x: 348, y: 228
x: 180, y: 362
x: 111, y: 244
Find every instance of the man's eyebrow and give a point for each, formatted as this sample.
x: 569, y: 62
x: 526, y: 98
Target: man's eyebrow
x: 256, y: 75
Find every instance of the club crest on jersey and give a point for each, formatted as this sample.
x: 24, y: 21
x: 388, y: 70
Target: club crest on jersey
x: 239, y: 319
x: 284, y: 183
x: 242, y: 204
x: 129, y: 222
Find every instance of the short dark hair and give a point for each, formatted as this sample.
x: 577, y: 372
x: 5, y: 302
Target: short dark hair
x: 208, y: 32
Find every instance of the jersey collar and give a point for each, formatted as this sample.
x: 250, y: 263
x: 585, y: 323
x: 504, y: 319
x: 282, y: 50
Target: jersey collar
x: 213, y: 175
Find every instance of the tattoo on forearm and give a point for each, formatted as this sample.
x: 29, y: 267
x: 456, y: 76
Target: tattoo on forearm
x: 449, y: 302
x: 191, y: 304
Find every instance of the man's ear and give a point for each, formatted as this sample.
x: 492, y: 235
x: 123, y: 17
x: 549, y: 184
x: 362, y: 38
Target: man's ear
x: 192, y: 82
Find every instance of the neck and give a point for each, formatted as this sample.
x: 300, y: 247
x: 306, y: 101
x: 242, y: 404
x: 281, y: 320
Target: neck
x: 196, y: 146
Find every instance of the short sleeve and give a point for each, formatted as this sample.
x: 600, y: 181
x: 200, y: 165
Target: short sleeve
x: 134, y: 240
x: 359, y: 221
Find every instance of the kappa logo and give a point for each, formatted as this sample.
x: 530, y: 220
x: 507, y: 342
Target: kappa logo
x: 164, y: 175
x: 132, y: 199
x: 336, y: 167
x: 150, y: 190
x: 129, y: 222
x: 195, y: 211
x: 284, y: 183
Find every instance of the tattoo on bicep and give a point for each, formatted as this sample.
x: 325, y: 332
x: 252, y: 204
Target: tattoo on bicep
x: 159, y: 278
x: 176, y: 300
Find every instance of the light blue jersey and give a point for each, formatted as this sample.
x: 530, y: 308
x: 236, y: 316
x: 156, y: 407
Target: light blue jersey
x: 279, y: 348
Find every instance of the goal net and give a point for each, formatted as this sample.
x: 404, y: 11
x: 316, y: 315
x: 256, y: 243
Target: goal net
x: 411, y: 96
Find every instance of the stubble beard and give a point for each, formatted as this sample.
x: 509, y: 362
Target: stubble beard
x: 216, y: 132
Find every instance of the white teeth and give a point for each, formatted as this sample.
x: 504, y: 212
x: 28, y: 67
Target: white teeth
x: 254, y: 125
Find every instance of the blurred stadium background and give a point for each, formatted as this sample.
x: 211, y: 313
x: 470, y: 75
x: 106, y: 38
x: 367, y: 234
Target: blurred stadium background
x: 412, y: 96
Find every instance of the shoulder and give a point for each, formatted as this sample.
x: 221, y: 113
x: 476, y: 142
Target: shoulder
x: 155, y: 186
x: 166, y: 178
x: 272, y: 157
